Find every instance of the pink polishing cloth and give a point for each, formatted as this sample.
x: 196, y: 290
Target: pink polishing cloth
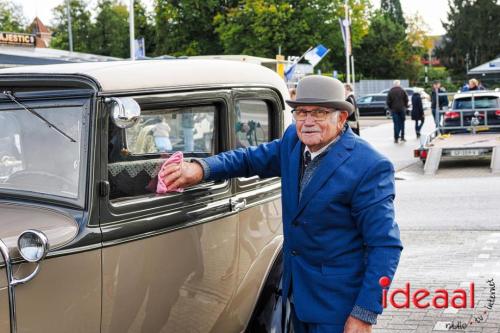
x: 176, y: 158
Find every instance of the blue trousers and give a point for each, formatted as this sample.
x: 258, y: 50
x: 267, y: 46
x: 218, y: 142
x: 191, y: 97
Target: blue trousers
x: 398, y: 118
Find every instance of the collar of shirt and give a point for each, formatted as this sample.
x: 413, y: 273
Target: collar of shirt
x: 317, y: 153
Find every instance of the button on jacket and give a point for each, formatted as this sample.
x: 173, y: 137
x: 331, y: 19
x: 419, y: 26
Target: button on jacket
x: 340, y: 237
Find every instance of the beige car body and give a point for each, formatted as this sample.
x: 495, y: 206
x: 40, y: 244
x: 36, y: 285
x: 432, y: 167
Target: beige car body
x: 111, y: 268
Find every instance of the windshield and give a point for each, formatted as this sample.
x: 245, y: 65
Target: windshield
x: 35, y: 157
x: 482, y: 102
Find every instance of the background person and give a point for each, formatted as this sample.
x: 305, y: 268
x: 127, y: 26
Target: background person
x: 417, y: 112
x: 353, y: 119
x: 397, y: 102
x: 340, y: 236
x: 439, y: 99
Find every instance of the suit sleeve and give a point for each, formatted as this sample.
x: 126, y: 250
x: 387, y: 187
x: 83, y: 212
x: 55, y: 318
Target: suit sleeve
x: 373, y: 212
x: 263, y: 161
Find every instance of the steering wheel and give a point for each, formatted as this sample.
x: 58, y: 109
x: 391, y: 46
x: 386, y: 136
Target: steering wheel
x: 39, y: 179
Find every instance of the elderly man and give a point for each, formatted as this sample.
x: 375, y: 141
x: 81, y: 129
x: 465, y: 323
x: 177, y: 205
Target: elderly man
x: 397, y: 102
x: 338, y: 216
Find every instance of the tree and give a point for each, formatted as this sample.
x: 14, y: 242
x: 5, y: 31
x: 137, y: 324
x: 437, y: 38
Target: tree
x: 144, y: 26
x: 11, y: 19
x: 185, y: 27
x: 385, y: 52
x: 472, y: 35
x: 393, y: 9
x: 110, y: 33
x: 81, y: 26
x: 260, y: 27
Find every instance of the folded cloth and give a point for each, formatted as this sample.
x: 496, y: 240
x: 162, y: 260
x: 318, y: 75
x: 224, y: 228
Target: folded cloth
x: 161, y: 188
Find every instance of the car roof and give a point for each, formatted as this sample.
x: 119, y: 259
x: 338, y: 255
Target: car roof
x: 118, y: 76
x: 468, y: 94
x: 378, y: 94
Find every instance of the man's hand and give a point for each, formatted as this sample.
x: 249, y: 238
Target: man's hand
x: 354, y: 325
x: 182, y: 175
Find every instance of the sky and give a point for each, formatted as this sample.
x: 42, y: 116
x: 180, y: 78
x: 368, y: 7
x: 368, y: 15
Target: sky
x: 432, y: 11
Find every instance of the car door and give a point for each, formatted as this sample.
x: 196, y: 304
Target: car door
x: 257, y: 117
x: 364, y: 105
x: 167, y: 257
x: 379, y: 104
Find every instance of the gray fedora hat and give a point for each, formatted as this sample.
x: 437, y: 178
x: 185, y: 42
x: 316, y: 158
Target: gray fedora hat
x: 321, y: 91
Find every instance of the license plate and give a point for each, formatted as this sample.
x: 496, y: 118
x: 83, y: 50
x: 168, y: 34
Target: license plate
x: 465, y: 152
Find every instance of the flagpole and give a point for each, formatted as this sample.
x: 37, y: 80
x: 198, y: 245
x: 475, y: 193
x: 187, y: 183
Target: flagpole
x: 347, y: 62
x: 132, y: 30
x: 353, y: 77
x: 70, y: 31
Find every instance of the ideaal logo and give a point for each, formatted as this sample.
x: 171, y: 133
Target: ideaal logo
x: 439, y: 299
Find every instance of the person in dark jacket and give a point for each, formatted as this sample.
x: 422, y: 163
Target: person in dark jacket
x: 437, y: 104
x: 353, y: 119
x: 417, y: 112
x: 397, y: 102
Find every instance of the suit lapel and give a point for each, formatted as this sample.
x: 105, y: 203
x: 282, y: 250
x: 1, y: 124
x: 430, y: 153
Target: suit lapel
x: 294, y: 176
x: 334, y: 158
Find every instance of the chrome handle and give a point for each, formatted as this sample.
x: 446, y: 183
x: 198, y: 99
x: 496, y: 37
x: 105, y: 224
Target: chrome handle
x: 238, y: 204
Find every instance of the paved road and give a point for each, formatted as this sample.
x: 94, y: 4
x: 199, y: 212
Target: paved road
x: 450, y: 227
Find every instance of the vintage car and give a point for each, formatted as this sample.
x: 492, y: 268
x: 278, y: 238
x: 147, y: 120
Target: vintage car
x: 87, y: 243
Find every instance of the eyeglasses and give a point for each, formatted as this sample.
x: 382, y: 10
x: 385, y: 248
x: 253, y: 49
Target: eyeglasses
x: 317, y: 114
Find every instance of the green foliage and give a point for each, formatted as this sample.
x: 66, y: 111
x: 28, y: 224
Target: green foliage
x: 80, y: 25
x: 185, y: 27
x: 110, y: 34
x: 259, y: 27
x: 11, y: 17
x: 144, y: 26
x: 385, y: 52
x: 393, y: 9
x: 472, y: 34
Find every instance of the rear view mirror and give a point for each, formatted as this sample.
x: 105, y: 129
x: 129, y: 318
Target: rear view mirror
x: 125, y: 111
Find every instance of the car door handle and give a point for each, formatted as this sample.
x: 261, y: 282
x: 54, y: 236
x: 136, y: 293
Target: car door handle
x: 238, y: 204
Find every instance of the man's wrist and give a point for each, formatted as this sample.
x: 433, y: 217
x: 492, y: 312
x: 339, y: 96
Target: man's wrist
x: 364, y: 315
x: 204, y: 166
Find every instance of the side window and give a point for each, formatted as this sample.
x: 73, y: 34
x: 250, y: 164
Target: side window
x: 379, y: 98
x: 366, y: 99
x: 252, y: 125
x: 135, y: 155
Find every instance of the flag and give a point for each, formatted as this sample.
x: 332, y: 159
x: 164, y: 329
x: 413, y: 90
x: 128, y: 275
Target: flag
x: 140, y: 48
x: 315, y: 55
x: 290, y: 71
x: 346, y: 34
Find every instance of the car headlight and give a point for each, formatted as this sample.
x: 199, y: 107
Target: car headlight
x: 33, y: 245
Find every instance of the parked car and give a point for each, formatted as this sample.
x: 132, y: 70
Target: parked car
x: 464, y: 108
x: 78, y: 198
x: 372, y: 105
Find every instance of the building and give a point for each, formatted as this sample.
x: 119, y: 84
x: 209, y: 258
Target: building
x: 19, y: 49
x: 488, y: 73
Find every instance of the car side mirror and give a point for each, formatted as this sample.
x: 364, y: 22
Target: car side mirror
x: 125, y: 111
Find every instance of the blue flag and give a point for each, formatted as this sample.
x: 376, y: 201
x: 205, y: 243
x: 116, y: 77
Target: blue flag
x: 290, y: 71
x: 315, y: 55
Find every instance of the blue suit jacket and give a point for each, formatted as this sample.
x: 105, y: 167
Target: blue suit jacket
x: 341, y: 237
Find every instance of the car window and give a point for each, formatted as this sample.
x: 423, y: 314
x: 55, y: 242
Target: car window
x: 483, y: 102
x: 379, y: 98
x: 365, y: 99
x: 135, y: 155
x: 409, y: 92
x: 252, y: 123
